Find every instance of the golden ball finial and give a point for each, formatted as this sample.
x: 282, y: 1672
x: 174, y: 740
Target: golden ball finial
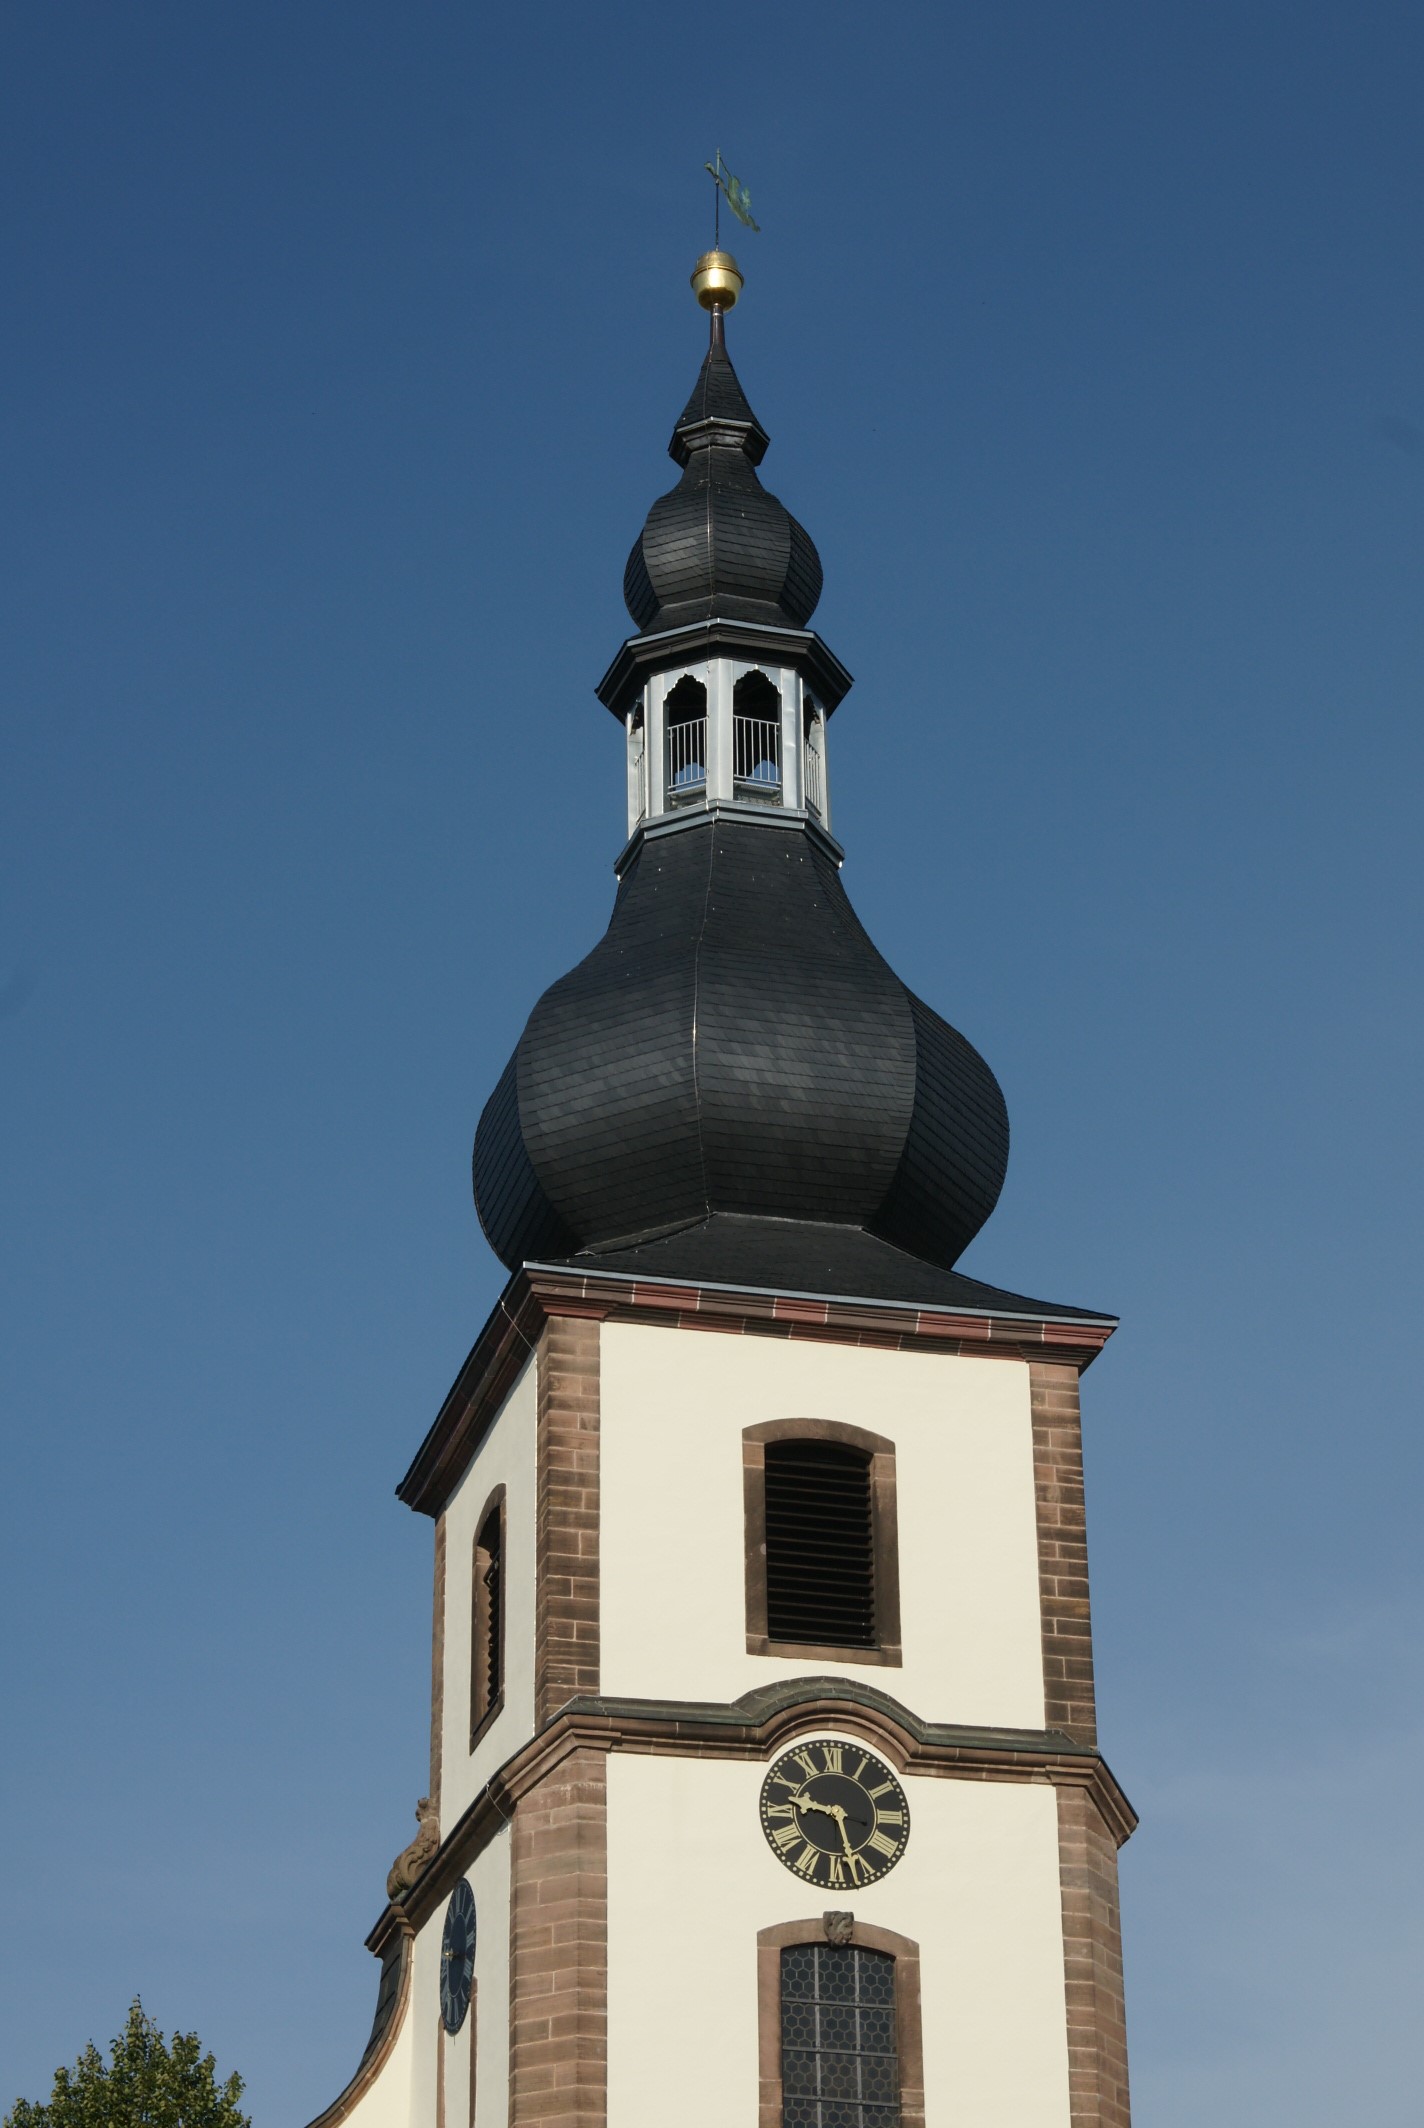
x: 716, y: 280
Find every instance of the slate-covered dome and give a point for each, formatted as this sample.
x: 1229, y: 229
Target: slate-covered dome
x: 718, y: 544
x: 736, y: 1045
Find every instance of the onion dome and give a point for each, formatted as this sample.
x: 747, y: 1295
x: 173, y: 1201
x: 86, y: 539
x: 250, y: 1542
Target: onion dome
x: 717, y: 545
x: 735, y: 1045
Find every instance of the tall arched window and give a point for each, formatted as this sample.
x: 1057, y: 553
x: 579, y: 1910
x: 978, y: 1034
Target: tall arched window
x: 841, y: 2043
x: 685, y: 723
x: 839, y: 2062
x: 821, y: 1542
x: 487, y: 1622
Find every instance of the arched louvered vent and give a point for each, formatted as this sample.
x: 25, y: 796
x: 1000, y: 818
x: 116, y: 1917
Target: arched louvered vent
x: 820, y: 1554
x: 487, y: 1625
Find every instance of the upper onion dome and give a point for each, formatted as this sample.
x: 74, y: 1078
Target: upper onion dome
x: 717, y: 545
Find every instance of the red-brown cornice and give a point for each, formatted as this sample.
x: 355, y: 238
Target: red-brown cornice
x: 754, y: 1728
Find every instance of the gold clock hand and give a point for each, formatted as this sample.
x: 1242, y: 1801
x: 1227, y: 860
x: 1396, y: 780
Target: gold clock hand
x: 838, y: 1812
x: 805, y: 1802
x: 829, y: 1810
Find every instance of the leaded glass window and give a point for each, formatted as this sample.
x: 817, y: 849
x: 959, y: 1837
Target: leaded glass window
x: 838, y: 2060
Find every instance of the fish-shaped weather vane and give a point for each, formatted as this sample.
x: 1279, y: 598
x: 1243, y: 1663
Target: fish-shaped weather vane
x: 737, y: 196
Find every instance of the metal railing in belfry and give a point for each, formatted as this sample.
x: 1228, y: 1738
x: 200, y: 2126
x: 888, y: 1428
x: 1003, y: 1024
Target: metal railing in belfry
x: 687, y: 759
x: 756, y: 753
x: 815, y: 786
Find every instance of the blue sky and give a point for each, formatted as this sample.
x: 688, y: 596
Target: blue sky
x: 344, y: 344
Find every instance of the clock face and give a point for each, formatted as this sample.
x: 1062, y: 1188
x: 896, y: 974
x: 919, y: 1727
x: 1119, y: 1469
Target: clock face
x: 834, y: 1814
x: 457, y: 1957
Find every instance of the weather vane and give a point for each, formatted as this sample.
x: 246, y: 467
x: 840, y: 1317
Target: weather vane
x: 739, y: 199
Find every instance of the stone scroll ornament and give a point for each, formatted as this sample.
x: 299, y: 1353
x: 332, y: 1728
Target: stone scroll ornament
x: 411, y: 1861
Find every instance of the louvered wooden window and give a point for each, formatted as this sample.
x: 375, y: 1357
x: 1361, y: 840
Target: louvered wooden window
x: 487, y: 1623
x: 820, y: 1555
x: 822, y: 1571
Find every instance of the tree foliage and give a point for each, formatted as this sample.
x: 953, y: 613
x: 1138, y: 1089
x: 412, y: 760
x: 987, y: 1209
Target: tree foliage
x: 148, y: 2082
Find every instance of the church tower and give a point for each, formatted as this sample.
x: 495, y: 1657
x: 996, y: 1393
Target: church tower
x: 765, y: 1788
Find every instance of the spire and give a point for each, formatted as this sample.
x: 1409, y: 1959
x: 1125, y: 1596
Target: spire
x: 718, y: 403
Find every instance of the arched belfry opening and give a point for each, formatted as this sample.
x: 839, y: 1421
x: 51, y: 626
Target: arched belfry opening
x: 685, y: 723
x: 756, y: 738
x: 813, y: 753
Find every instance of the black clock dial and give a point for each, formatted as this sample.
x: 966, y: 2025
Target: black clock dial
x: 834, y: 1814
x: 457, y: 1957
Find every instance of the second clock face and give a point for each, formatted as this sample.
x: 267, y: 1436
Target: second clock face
x: 457, y: 1956
x: 834, y: 1814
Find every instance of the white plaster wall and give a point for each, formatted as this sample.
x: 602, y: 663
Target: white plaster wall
x: 490, y: 1879
x: 506, y: 1457
x: 429, y: 2049
x: 673, y: 1406
x: 427, y: 2032
x: 387, y: 2103
x: 691, y: 1880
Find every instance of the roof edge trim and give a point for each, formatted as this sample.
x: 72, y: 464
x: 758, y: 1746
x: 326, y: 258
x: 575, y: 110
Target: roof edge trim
x: 1085, y: 1321
x: 758, y: 816
x: 511, y: 1332
x: 640, y: 655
